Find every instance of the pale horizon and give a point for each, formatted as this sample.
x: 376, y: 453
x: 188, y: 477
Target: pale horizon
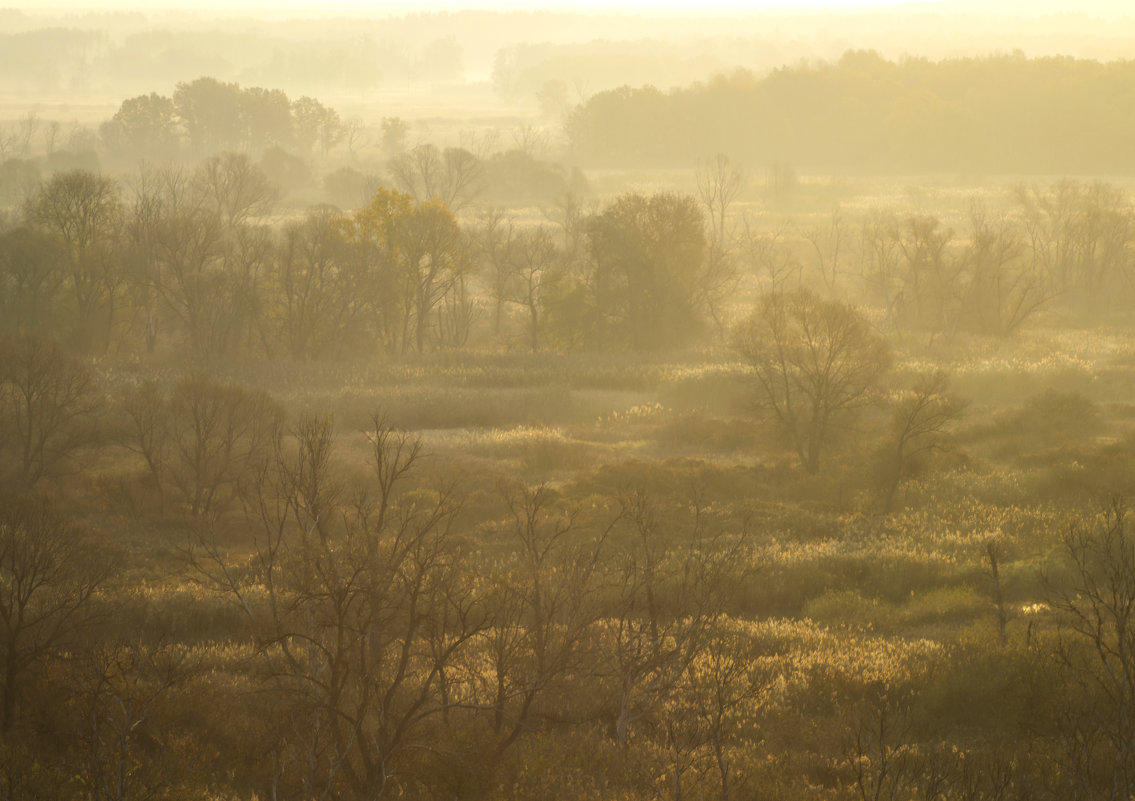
x: 666, y: 8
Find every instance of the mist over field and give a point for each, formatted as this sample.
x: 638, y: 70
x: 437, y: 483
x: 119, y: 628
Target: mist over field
x: 444, y: 402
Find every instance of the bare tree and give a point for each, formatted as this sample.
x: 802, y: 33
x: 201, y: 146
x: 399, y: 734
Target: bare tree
x: 155, y: 192
x: 51, y: 136
x: 455, y: 313
x: 492, y: 241
x: 719, y: 692
x: 454, y: 175
x: 1098, y: 608
x: 768, y: 258
x: 147, y: 428
x: 8, y: 139
x: 569, y: 216
x: 1080, y: 237
x: 719, y: 181
x: 1002, y: 292
x: 315, y: 295
x: 192, y: 260
x: 545, y: 605
x: 827, y: 241
x: 726, y: 683
x: 217, y: 436
x: 49, y: 403
x: 27, y: 130
x: 354, y: 136
x: 464, y: 178
x: 47, y: 580
x: 188, y: 274
x: 814, y: 361
x: 83, y: 212
x: 33, y: 272
x: 357, y: 616
x: 119, y: 687
x: 993, y: 554
x: 530, y: 140
x: 929, y: 288
x: 883, y: 766
x: 394, y: 130
x: 920, y: 419
x: 434, y: 259
x: 879, y: 259
x: 235, y: 188
x: 533, y: 254
x: 248, y: 257
x: 668, y: 601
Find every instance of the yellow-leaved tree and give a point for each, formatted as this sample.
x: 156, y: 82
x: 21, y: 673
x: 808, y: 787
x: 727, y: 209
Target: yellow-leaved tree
x: 415, y: 258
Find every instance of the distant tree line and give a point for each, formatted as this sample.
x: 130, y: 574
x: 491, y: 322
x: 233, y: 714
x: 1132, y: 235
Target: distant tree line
x: 1069, y: 245
x: 206, y: 116
x: 1000, y: 114
x: 189, y: 261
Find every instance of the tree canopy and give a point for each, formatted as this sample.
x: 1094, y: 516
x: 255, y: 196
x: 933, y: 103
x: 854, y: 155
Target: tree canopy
x: 1007, y: 114
x: 814, y: 361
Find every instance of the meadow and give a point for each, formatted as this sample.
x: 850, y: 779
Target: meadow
x: 838, y: 652
x: 555, y: 546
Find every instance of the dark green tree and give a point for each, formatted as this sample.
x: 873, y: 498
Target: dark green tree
x: 211, y: 114
x: 144, y: 127
x: 650, y: 260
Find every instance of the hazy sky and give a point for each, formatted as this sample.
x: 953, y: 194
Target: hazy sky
x: 685, y: 7
x: 1106, y: 8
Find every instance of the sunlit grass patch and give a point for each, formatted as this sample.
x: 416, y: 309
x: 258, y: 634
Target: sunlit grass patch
x: 187, y: 611
x: 639, y: 413
x: 698, y: 432
x: 1098, y: 362
x: 928, y: 564
x: 848, y: 607
x: 957, y: 605
x: 718, y: 387
x: 805, y: 655
x: 417, y: 407
x: 794, y: 573
x: 534, y: 449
